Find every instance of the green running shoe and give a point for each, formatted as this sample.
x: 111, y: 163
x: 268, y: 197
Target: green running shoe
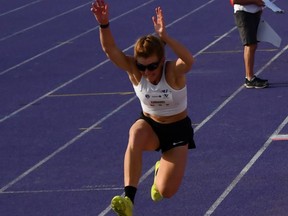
x: 155, y: 195
x: 122, y: 206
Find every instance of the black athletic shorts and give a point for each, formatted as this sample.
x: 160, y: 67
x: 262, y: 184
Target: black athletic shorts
x: 172, y: 135
x: 247, y: 24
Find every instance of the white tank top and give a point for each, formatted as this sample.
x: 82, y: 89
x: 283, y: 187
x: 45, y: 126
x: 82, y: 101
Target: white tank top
x: 250, y: 8
x: 161, y: 99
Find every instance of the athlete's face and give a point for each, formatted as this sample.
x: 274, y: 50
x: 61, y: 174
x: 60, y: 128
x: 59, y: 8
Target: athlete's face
x: 151, y: 68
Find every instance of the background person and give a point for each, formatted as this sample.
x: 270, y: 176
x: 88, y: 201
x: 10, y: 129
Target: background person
x: 247, y: 14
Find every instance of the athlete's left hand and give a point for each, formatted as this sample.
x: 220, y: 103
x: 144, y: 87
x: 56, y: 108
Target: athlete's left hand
x: 158, y: 22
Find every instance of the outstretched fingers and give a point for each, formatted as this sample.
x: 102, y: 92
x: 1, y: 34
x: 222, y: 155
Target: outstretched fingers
x: 158, y: 22
x: 100, y: 9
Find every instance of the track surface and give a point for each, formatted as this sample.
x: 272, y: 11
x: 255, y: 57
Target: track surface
x: 66, y: 110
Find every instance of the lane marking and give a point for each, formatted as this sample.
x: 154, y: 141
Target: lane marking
x: 65, y: 190
x: 96, y: 128
x: 237, y: 51
x: 190, y: 13
x: 91, y: 94
x: 19, y: 8
x: 245, y: 170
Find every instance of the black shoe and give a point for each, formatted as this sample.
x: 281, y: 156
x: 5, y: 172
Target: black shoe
x: 256, y: 82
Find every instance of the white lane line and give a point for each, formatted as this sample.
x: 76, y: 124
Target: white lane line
x: 191, y: 12
x: 107, y: 188
x: 245, y: 170
x: 19, y: 8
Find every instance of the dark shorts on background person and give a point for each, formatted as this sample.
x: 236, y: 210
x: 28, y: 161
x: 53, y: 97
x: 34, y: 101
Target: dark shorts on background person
x: 172, y: 135
x: 247, y: 24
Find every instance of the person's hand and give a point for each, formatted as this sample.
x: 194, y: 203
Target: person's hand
x: 100, y: 10
x: 158, y: 22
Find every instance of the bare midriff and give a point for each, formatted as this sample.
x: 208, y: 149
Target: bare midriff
x: 167, y: 119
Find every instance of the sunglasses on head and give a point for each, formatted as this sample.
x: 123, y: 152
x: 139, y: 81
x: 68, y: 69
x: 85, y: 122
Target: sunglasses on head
x: 150, y: 67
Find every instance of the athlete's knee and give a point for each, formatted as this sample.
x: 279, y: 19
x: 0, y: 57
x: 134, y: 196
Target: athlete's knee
x: 138, y: 132
x: 167, y: 192
x: 137, y: 136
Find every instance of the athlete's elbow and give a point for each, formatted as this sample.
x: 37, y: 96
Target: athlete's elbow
x: 190, y: 63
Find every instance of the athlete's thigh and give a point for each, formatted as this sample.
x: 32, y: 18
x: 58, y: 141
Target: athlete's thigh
x: 172, y: 168
x: 142, y: 135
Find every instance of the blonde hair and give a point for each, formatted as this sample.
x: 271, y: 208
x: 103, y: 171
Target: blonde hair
x: 147, y: 46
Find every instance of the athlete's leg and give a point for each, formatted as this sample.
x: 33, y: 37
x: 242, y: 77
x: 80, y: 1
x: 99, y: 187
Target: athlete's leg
x: 171, y: 171
x: 141, y: 138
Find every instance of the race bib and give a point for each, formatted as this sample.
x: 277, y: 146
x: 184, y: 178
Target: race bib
x: 159, y: 99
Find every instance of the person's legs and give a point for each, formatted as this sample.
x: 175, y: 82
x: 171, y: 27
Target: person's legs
x: 249, y: 57
x: 251, y: 80
x: 141, y: 138
x: 247, y: 24
x: 171, y: 171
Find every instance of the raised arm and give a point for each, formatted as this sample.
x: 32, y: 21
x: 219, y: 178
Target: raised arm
x: 101, y: 13
x: 185, y: 59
